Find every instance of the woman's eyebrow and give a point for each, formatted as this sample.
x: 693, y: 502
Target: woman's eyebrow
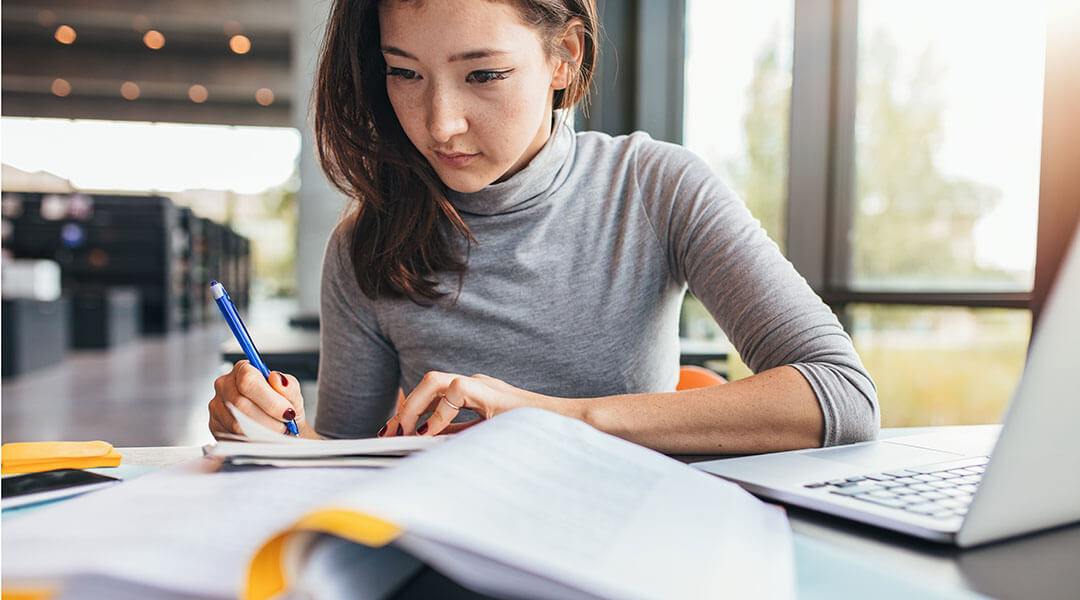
x: 480, y: 53
x: 470, y: 55
x: 397, y: 52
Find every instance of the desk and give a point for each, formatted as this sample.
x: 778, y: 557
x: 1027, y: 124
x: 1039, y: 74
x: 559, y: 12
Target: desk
x: 1042, y: 565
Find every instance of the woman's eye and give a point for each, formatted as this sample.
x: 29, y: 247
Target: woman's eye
x: 402, y: 73
x: 487, y: 76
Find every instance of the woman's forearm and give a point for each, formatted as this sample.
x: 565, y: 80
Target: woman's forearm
x: 768, y: 412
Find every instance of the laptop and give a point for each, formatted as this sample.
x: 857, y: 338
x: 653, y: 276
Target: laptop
x: 967, y: 486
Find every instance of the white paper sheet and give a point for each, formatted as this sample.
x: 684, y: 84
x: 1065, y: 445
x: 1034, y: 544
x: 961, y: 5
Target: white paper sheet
x: 181, y: 530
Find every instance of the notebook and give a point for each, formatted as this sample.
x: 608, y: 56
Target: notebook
x: 966, y: 488
x: 257, y: 445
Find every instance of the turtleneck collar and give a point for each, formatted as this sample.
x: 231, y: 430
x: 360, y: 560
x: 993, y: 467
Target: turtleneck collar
x: 529, y: 186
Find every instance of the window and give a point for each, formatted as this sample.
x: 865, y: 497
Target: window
x: 736, y: 111
x: 737, y: 99
x: 909, y: 145
x: 948, y: 125
x: 947, y: 136
x: 240, y: 175
x: 940, y: 365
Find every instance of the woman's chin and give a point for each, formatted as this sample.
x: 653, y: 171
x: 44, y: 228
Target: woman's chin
x: 465, y: 184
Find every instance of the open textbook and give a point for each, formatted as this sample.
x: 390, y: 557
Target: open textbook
x: 527, y: 505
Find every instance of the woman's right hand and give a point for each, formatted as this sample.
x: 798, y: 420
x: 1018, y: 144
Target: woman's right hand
x: 270, y: 402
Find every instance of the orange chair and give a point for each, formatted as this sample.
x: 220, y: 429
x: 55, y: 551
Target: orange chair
x: 693, y: 377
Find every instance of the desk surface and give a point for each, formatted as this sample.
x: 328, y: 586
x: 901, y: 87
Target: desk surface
x: 1042, y: 565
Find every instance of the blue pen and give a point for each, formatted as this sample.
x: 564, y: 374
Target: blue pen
x: 240, y: 332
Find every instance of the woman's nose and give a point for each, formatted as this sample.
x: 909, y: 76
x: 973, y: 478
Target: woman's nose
x: 446, y: 116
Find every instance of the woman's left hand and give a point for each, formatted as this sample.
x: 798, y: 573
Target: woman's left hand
x: 445, y: 394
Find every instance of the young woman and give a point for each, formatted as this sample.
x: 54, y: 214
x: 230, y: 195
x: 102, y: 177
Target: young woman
x: 488, y: 237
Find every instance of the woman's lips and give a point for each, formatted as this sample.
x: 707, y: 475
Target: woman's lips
x: 455, y: 160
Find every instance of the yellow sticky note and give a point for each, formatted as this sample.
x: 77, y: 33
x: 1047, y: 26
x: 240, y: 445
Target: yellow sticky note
x: 28, y: 594
x: 31, y: 457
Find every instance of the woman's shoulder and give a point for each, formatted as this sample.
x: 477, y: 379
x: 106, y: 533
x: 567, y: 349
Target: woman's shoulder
x: 640, y: 150
x: 337, y: 262
x: 338, y: 242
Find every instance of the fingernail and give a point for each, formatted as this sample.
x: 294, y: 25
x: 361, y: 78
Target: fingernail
x: 289, y: 414
x: 400, y: 431
x: 284, y: 381
x: 381, y: 431
x: 422, y: 429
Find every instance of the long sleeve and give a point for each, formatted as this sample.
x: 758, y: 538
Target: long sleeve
x: 765, y: 307
x: 358, y: 366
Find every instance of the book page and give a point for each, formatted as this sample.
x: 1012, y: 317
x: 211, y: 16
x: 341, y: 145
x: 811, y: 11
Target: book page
x: 185, y: 530
x: 590, y: 512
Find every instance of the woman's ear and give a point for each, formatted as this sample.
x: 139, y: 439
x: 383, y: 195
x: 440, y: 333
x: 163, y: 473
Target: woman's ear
x: 571, y: 44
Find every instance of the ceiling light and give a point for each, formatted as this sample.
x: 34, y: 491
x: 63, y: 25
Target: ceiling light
x: 198, y: 93
x: 264, y: 96
x: 65, y: 35
x: 129, y: 90
x: 140, y: 23
x: 154, y: 39
x: 239, y: 44
x: 46, y: 18
x: 60, y: 87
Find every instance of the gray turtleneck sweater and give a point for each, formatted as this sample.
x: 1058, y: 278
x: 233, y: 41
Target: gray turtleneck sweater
x: 574, y: 289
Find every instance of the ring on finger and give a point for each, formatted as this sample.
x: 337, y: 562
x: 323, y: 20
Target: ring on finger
x: 450, y: 404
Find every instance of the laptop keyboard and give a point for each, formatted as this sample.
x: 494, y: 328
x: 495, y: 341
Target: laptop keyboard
x: 939, y: 490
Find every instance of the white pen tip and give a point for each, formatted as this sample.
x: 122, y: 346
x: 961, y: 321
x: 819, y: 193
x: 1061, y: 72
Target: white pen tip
x: 217, y: 289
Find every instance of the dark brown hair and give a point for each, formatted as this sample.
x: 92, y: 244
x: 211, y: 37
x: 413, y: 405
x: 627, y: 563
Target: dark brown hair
x: 397, y: 240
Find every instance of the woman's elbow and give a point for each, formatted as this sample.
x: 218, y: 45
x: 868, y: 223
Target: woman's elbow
x: 861, y: 421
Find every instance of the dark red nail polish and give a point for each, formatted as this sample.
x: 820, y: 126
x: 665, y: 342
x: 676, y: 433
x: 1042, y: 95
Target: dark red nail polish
x: 289, y: 414
x: 381, y: 431
x: 400, y: 431
x: 284, y: 381
x: 422, y: 430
